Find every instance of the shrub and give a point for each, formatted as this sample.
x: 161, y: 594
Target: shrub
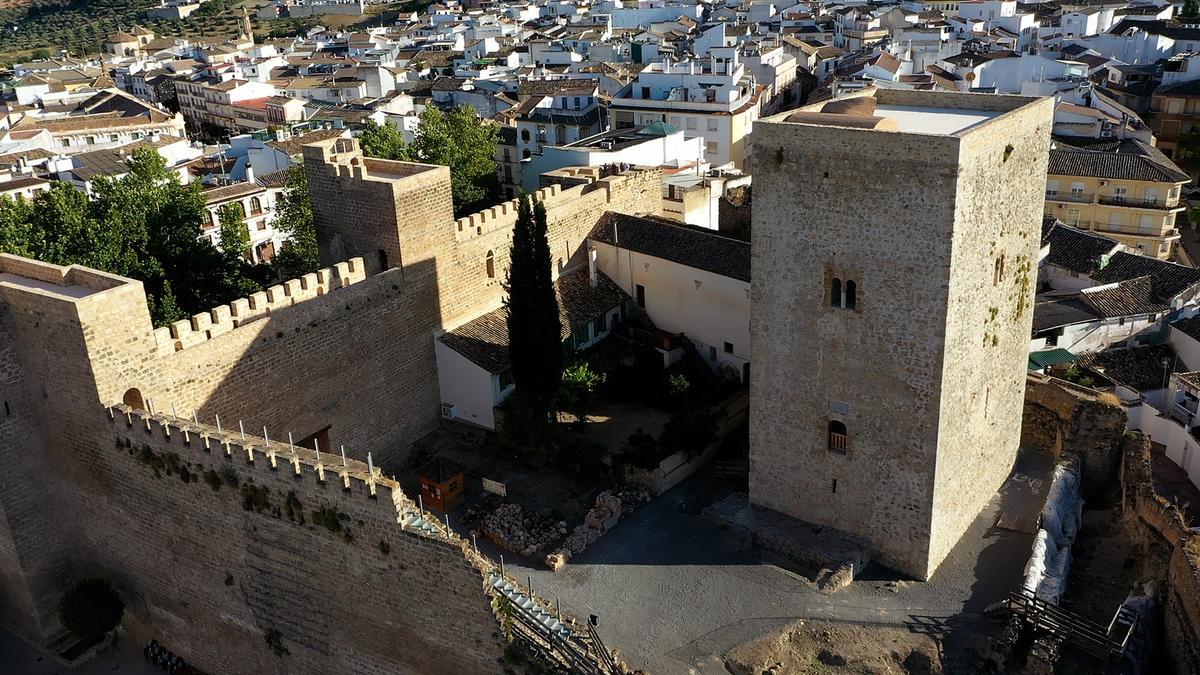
x: 641, y: 450
x: 690, y: 430
x: 293, y: 507
x: 582, y: 455
x: 213, y: 480
x: 577, y: 395
x: 274, y: 640
x: 526, y: 422
x: 90, y: 608
x: 329, y: 518
x: 255, y: 498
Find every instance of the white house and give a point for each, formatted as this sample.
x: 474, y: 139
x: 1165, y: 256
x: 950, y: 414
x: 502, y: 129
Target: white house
x: 657, y: 144
x: 687, y: 280
x: 474, y: 371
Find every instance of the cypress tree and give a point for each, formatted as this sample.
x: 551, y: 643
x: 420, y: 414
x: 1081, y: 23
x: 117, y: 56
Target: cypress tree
x: 534, y: 329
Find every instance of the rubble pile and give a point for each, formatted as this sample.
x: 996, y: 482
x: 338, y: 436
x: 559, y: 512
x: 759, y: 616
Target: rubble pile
x: 611, y: 506
x: 521, y: 531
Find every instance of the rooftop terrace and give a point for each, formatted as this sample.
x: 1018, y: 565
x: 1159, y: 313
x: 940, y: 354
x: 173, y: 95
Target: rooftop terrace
x: 904, y: 111
x: 44, y: 278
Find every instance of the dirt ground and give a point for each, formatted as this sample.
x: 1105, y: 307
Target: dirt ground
x: 813, y: 647
x: 1105, y: 566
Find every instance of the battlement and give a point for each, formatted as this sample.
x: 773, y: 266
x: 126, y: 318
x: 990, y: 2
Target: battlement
x: 66, y: 283
x: 188, y: 437
x: 206, y: 444
x: 554, y: 196
x: 345, y: 157
x: 225, y: 318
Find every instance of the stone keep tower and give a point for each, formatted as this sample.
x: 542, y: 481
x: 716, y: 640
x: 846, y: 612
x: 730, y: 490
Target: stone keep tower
x: 896, y: 238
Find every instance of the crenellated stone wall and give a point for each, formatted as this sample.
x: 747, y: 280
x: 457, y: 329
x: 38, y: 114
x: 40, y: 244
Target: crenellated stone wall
x: 345, y: 354
x: 1149, y: 512
x: 216, y: 542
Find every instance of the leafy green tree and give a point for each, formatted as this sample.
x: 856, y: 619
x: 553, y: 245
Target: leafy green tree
x: 577, y: 394
x: 384, y: 142
x: 17, y: 236
x: 1187, y: 151
x: 40, y: 54
x: 235, y: 237
x: 294, y: 216
x: 457, y: 139
x: 534, y: 328
x: 144, y: 225
x: 1190, y: 8
x: 90, y: 608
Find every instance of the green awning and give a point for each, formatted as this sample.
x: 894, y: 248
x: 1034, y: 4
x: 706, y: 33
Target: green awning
x: 1050, y: 357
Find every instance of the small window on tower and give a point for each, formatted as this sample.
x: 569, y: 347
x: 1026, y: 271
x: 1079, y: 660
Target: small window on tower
x: 837, y: 437
x: 835, y: 293
x: 490, y: 263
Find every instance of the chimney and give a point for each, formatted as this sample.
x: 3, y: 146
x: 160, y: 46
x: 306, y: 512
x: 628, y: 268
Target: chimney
x: 249, y: 173
x: 592, y: 267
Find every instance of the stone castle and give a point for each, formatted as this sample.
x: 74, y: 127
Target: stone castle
x: 118, y: 465
x: 891, y: 321
x: 103, y: 415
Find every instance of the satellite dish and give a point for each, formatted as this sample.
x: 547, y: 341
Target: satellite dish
x: 969, y: 77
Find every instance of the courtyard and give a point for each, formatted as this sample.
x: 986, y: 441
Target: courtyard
x: 674, y: 591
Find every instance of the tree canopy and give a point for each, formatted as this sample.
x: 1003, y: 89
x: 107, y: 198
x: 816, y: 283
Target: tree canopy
x: 534, y: 327
x: 90, y: 608
x: 144, y: 225
x: 457, y: 139
x: 294, y: 216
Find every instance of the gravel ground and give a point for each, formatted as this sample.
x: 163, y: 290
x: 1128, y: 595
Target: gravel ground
x: 674, y: 592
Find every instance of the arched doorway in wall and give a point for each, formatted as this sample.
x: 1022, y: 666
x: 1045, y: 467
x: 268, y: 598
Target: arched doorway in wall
x: 133, y: 399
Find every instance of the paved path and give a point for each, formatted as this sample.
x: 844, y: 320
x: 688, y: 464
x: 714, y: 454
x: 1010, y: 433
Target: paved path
x: 18, y: 657
x: 674, y: 591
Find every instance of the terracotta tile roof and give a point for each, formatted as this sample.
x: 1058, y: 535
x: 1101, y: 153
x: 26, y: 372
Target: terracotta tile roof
x: 552, y: 87
x: 1125, y: 298
x: 1076, y: 250
x: 1189, y: 327
x: 692, y: 247
x: 227, y: 192
x: 484, y: 340
x: 1167, y: 279
x: 1139, y: 368
x: 293, y: 146
x: 33, y: 154
x: 1071, y: 161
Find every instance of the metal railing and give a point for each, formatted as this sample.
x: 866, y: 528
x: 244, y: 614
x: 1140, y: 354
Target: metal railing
x: 1084, y: 198
x: 1113, y: 200
x: 1105, y: 643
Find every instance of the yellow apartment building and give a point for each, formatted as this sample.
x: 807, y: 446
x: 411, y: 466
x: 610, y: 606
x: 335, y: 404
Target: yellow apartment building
x: 1127, y: 190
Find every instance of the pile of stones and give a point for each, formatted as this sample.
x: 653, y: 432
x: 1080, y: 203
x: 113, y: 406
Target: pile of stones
x: 611, y: 506
x: 521, y: 531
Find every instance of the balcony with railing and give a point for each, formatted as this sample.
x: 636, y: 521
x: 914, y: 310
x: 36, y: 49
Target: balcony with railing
x: 1152, y: 232
x: 1070, y: 197
x: 1182, y: 414
x: 1156, y: 203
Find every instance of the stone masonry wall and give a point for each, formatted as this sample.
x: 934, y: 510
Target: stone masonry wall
x: 998, y: 215
x: 1145, y: 510
x: 880, y: 209
x: 210, y: 579
x: 1064, y: 418
x: 348, y: 351
x: 22, y: 498
x: 875, y: 209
